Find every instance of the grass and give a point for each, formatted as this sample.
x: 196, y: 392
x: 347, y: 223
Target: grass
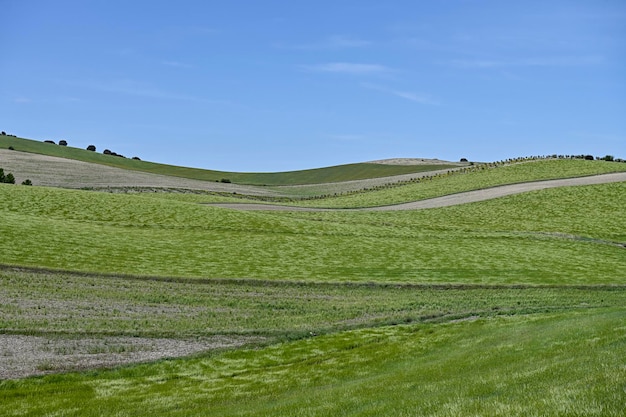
x: 38, y: 303
x: 531, y: 238
x: 348, y: 172
x: 505, y: 307
x: 456, y: 182
x: 521, y: 365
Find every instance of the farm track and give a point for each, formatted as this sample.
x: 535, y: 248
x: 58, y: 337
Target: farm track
x: 453, y: 199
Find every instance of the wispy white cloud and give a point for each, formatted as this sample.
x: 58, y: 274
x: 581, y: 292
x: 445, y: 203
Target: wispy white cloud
x: 563, y: 61
x: 420, y: 98
x: 176, y: 64
x: 349, y: 68
x: 330, y: 42
x: 346, y: 42
x: 134, y: 88
x: 46, y: 100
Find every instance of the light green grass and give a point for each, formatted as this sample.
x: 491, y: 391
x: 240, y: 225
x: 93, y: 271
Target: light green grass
x: 552, y: 364
x: 457, y: 182
x: 532, y: 238
x: 518, y: 349
x: 338, y: 173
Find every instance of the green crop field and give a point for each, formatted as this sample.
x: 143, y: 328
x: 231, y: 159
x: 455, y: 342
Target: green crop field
x: 511, y: 306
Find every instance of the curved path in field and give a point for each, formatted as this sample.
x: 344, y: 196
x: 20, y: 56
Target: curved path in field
x: 453, y: 199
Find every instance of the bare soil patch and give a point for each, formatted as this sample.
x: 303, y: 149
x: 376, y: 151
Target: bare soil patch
x: 22, y: 355
x: 413, y: 161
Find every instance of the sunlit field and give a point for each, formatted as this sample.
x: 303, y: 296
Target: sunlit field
x: 157, y: 304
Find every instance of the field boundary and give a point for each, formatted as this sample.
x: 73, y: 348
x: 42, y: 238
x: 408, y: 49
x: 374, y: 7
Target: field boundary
x: 293, y: 283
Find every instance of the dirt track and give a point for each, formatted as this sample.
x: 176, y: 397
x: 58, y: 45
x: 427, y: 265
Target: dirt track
x: 454, y: 199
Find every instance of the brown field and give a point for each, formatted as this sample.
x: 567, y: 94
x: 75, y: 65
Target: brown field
x: 68, y: 173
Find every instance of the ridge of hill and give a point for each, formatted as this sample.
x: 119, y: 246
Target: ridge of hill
x: 339, y: 173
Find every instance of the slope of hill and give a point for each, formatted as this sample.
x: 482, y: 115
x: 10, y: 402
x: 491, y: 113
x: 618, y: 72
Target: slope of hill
x: 54, y: 171
x: 138, y: 235
x: 339, y: 173
x: 516, y: 304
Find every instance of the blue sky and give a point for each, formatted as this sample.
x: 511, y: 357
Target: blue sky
x: 284, y: 85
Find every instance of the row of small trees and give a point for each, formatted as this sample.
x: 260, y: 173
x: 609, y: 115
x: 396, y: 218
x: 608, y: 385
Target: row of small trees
x: 109, y: 152
x: 10, y: 178
x: 91, y: 148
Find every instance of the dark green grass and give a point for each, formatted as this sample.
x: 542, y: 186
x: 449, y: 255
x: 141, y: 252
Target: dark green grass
x: 339, y: 173
x: 68, y: 304
x: 565, y: 364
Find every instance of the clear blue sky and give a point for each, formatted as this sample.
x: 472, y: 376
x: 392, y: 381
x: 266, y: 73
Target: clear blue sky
x: 283, y: 85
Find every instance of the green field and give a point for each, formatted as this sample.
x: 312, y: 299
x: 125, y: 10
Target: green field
x: 521, y: 365
x: 478, y: 177
x: 512, y: 306
x: 534, y: 238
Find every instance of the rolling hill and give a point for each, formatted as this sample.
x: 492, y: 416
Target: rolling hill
x: 149, y: 303
x: 349, y: 172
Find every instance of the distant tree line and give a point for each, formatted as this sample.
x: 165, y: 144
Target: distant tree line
x: 91, y: 148
x: 62, y: 142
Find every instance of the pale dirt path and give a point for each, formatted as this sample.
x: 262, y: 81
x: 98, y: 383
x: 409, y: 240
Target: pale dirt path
x: 454, y: 199
x: 26, y: 355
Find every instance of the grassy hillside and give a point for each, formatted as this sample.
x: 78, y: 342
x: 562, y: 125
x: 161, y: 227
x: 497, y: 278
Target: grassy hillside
x: 340, y: 173
x: 474, y: 179
x: 513, y: 306
x: 525, y: 365
x: 531, y: 238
